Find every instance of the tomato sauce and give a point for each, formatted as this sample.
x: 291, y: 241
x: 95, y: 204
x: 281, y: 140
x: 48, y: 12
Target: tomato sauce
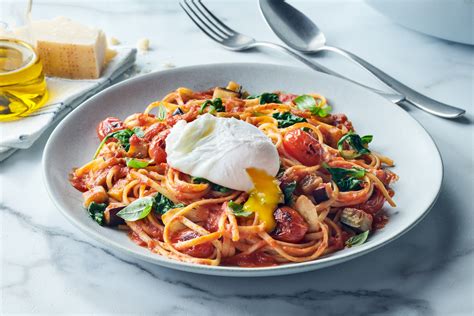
x: 255, y: 259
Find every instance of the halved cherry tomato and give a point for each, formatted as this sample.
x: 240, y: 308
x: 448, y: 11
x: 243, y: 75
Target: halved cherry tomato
x: 107, y: 126
x: 303, y: 147
x: 291, y: 226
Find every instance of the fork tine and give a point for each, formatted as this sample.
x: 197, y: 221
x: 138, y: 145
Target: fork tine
x: 212, y: 18
x: 195, y: 18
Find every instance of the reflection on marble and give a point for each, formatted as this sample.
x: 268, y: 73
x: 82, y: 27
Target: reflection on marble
x: 48, y: 266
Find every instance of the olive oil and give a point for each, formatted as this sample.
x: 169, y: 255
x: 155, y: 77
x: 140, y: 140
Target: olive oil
x: 22, y: 81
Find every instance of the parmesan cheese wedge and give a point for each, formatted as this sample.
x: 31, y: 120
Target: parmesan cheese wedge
x: 69, y: 49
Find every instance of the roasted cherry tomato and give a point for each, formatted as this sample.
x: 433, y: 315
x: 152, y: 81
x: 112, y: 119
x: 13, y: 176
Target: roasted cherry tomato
x: 107, y: 126
x: 303, y: 147
x: 204, y: 250
x: 374, y: 203
x: 157, y: 147
x: 291, y: 226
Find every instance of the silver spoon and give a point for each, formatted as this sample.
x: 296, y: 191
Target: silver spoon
x: 299, y: 32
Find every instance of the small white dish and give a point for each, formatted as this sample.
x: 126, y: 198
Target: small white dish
x: 452, y: 20
x: 396, y: 134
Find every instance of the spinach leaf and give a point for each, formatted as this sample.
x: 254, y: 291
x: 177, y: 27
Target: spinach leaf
x: 138, y: 209
x: 288, y: 190
x: 308, y: 103
x: 266, y: 98
x: 238, y: 209
x: 136, y: 163
x: 123, y: 136
x: 356, y: 143
x: 96, y: 212
x: 286, y: 119
x: 163, y: 204
x: 357, y: 239
x: 346, y: 179
x: 214, y: 106
x: 214, y: 186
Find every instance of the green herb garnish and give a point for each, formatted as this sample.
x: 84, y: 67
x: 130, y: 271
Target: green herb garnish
x: 308, y: 103
x: 288, y: 190
x: 266, y: 98
x: 162, y: 112
x: 214, y: 186
x: 286, y: 119
x: 138, y: 209
x: 136, y: 163
x: 123, y: 137
x: 238, y: 209
x: 163, y: 204
x: 357, y: 239
x: 214, y: 106
x: 346, y: 179
x: 355, y: 142
x: 138, y: 131
x: 96, y: 212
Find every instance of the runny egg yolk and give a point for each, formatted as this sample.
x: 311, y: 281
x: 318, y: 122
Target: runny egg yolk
x: 264, y: 197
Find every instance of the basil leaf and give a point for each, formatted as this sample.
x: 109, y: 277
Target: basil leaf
x: 356, y: 143
x: 136, y: 163
x: 214, y: 186
x: 346, y: 179
x: 214, y: 106
x: 266, y: 98
x: 96, y: 212
x: 286, y: 119
x: 238, y: 209
x: 308, y: 103
x: 162, y: 112
x: 288, y: 190
x: 138, y: 209
x: 357, y: 239
x: 163, y: 204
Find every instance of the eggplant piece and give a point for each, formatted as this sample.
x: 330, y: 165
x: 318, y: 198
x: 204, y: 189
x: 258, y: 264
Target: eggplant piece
x: 309, y: 183
x: 356, y: 219
x: 110, y: 215
x: 178, y: 111
x: 320, y: 194
x: 224, y: 93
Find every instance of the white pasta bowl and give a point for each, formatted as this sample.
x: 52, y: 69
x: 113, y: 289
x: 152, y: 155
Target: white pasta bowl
x: 396, y: 134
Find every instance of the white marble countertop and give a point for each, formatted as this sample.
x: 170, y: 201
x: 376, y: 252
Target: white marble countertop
x: 49, y: 267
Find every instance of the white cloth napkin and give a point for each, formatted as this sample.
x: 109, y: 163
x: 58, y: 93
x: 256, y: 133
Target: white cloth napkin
x: 64, y: 95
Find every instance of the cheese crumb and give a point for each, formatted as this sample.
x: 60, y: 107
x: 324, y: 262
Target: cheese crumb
x: 143, y: 44
x: 113, y: 41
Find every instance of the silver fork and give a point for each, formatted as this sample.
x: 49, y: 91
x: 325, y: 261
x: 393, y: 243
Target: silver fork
x: 233, y: 40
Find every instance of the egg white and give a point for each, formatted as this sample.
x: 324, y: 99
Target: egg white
x: 220, y: 150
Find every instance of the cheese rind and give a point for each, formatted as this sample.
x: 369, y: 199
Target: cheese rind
x: 69, y: 49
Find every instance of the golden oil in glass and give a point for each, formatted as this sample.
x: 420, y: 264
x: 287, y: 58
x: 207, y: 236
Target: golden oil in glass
x: 22, y: 81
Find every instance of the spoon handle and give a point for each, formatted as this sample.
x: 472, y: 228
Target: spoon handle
x: 393, y: 97
x: 412, y: 97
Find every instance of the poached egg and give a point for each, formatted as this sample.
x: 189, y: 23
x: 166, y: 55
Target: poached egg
x: 231, y: 153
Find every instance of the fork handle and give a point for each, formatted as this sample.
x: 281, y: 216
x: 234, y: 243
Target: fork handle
x: 412, y: 97
x: 393, y: 97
